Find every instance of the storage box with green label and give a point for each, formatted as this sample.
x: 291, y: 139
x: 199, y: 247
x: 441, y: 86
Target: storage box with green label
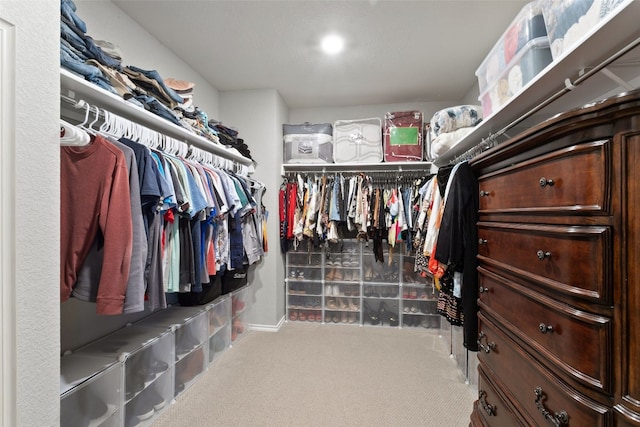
x: 403, y: 136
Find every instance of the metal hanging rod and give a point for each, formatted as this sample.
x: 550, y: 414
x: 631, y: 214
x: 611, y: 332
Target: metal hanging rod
x: 328, y: 168
x: 158, y: 140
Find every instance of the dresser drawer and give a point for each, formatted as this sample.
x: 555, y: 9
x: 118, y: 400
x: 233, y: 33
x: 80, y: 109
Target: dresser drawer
x: 571, y: 180
x: 575, y: 342
x: 575, y: 260
x: 492, y: 409
x: 535, y: 392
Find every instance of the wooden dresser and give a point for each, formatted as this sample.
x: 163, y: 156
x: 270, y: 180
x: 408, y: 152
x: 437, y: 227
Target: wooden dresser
x: 559, y: 271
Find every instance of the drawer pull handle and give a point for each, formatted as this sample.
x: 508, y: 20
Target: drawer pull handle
x: 545, y: 328
x: 484, y: 193
x: 542, y: 254
x: 482, y: 397
x: 483, y: 290
x: 558, y: 419
x: 546, y: 182
x: 488, y: 347
x: 482, y: 241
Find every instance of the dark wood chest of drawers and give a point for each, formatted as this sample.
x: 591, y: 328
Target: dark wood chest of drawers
x: 559, y: 271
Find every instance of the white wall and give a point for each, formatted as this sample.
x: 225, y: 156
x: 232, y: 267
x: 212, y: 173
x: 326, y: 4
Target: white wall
x: 258, y: 115
x: 35, y: 383
x: 106, y: 21
x: 331, y: 114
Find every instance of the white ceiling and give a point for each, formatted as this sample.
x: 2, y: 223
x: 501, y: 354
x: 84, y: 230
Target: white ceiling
x: 397, y: 51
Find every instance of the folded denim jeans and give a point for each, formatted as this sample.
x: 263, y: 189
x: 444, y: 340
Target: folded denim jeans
x: 89, y: 72
x: 85, y: 44
x: 118, y: 80
x: 156, y: 107
x: 68, y: 10
x: 153, y: 74
x: 150, y: 86
x: 71, y: 52
x: 100, y: 56
x: 69, y: 48
x: 110, y: 49
x: 72, y: 37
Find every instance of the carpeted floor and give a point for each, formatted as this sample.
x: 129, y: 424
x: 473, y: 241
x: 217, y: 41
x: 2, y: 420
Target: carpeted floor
x: 327, y: 375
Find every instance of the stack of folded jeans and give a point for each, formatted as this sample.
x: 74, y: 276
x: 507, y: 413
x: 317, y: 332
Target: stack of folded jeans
x: 76, y: 48
x: 100, y: 62
x: 153, y: 84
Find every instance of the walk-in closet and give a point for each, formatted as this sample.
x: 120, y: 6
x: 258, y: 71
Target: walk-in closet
x: 212, y: 215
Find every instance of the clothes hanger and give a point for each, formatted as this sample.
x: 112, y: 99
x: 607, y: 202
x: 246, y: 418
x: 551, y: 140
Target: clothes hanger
x: 71, y: 135
x: 89, y: 128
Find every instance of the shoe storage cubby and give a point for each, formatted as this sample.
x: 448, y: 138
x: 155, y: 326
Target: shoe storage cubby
x: 189, y: 327
x: 219, y: 314
x: 129, y: 376
x: 90, y: 391
x: 145, y: 355
x: 346, y: 283
x: 239, y: 313
x: 304, y: 280
x: 419, y: 298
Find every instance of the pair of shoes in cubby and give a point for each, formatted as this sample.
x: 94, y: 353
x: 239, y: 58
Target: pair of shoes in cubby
x: 237, y: 305
x: 332, y: 290
x: 305, y: 315
x: 410, y: 293
x: 343, y: 304
x: 335, y: 274
x: 237, y: 328
x: 341, y: 317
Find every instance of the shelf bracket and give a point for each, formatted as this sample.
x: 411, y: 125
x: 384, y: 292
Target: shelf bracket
x: 568, y: 84
x: 616, y: 79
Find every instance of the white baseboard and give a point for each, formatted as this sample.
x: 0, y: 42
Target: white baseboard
x: 267, y: 328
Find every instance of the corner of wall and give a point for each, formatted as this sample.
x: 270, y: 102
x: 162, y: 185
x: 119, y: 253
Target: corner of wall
x: 257, y: 115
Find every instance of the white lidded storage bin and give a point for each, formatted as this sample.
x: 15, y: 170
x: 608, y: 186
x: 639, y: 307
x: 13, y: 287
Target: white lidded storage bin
x: 357, y: 141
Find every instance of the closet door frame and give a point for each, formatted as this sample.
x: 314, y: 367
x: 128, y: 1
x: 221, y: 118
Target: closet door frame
x: 7, y: 225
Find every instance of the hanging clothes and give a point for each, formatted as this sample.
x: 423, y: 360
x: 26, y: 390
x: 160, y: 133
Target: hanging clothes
x: 95, y: 198
x: 88, y: 279
x: 458, y: 245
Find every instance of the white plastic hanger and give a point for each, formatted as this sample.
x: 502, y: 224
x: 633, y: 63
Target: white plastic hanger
x: 71, y: 135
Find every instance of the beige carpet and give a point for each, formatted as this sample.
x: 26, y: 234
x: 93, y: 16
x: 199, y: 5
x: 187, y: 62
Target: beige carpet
x: 327, y: 375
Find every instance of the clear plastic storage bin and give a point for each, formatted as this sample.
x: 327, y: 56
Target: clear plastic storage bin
x: 528, y: 25
x: 239, y: 313
x: 568, y: 21
x: 189, y: 327
x: 520, y: 71
x: 219, y: 313
x: 147, y: 357
x: 90, y: 391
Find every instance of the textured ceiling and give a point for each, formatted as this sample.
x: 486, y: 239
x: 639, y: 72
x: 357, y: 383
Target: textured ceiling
x: 397, y: 51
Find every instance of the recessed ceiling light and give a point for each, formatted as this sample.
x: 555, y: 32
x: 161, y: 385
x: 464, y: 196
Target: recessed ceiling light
x: 332, y: 44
